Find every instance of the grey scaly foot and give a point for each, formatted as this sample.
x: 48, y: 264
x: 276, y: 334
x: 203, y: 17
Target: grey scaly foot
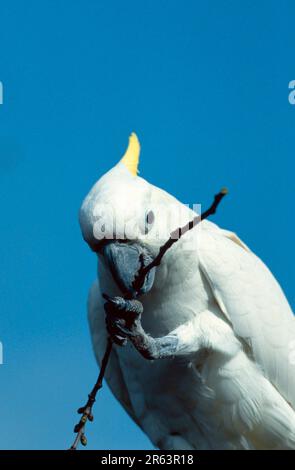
x: 123, y: 321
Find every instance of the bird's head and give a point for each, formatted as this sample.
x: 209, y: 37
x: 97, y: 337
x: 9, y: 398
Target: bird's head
x: 125, y: 219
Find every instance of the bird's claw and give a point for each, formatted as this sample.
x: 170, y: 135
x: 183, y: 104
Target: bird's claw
x: 122, y: 317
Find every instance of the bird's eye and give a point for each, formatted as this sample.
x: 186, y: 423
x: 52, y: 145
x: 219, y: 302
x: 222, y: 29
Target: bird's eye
x: 149, y: 220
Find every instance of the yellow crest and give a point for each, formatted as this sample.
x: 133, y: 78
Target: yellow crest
x: 131, y: 157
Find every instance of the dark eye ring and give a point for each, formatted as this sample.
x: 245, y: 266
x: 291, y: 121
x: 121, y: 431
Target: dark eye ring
x: 149, y: 220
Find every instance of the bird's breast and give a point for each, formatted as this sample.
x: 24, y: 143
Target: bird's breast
x: 179, y: 293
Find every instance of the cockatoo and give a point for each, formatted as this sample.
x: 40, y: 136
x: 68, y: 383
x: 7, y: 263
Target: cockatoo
x: 209, y: 361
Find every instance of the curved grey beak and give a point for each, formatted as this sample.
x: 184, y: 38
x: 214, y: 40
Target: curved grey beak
x: 124, y: 261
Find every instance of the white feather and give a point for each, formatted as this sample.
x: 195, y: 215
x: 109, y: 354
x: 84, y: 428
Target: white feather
x: 255, y: 304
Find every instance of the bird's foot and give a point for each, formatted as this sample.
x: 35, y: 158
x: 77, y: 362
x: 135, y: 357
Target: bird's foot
x: 122, y: 318
x: 123, y: 321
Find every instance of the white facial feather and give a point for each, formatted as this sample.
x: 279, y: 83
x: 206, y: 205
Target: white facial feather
x: 117, y: 207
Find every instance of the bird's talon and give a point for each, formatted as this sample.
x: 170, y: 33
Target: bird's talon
x: 119, y: 340
x: 125, y: 331
x: 122, y: 317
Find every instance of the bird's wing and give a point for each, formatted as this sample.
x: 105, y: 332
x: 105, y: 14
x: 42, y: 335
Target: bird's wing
x: 113, y: 374
x: 253, y: 302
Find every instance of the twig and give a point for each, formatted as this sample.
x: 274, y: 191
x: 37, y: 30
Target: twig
x: 175, y: 236
x: 86, y: 410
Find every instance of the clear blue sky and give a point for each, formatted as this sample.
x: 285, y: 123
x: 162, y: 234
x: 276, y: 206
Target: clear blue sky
x: 205, y: 86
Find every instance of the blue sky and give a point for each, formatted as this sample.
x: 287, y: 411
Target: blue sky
x: 205, y: 86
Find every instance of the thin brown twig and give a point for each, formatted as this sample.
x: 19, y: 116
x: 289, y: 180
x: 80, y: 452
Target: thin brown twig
x: 86, y: 410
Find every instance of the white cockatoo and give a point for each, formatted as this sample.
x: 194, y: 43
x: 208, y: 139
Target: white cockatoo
x: 210, y: 357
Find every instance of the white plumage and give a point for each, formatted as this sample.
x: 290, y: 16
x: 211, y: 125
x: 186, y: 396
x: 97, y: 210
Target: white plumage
x: 231, y: 382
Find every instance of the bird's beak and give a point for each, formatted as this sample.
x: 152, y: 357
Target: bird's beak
x: 124, y: 261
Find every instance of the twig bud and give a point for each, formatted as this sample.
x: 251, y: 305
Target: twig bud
x: 224, y: 191
x: 77, y: 427
x: 83, y: 440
